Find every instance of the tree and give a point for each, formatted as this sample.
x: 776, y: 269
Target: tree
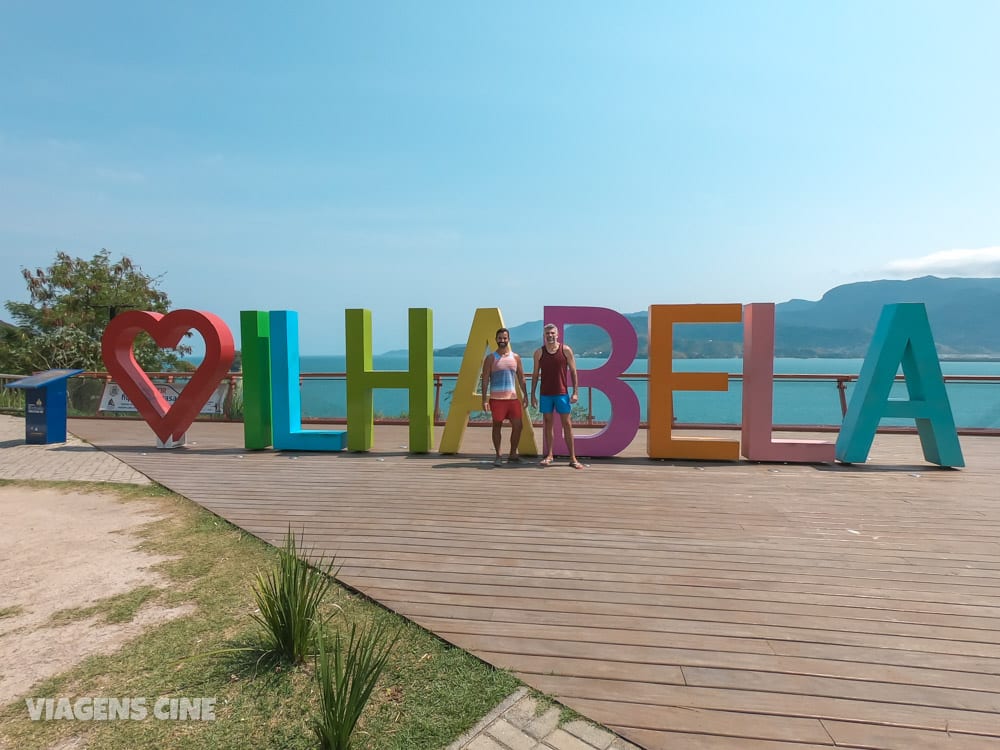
x: 70, y: 304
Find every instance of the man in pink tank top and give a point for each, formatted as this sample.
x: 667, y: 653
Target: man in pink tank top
x: 502, y: 374
x: 552, y: 362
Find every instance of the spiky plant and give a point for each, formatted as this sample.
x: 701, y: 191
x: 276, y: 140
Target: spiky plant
x: 288, y: 600
x: 347, y: 676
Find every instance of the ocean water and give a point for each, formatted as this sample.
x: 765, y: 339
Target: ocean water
x: 801, y: 402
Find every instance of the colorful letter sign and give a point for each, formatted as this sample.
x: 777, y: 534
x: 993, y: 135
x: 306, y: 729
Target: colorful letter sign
x: 902, y: 338
x: 362, y: 380
x: 625, y: 414
x: 758, y: 396
x: 466, y: 397
x: 272, y: 404
x: 663, y: 381
x: 255, y: 339
x: 168, y: 422
x: 286, y: 401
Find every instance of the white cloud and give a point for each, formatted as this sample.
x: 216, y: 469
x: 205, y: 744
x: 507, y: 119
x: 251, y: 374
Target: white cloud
x: 981, y: 262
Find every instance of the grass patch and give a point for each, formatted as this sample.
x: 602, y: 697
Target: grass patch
x: 567, y: 714
x: 11, y: 611
x: 427, y: 695
x: 544, y: 702
x: 114, y: 609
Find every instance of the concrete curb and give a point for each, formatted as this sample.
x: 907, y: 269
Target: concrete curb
x: 524, y: 722
x: 492, y: 716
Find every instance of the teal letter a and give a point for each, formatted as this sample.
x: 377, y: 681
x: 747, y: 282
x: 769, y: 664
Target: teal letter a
x: 902, y: 337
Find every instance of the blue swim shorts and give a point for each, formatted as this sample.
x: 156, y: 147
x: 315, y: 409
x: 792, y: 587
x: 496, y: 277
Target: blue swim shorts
x: 546, y: 404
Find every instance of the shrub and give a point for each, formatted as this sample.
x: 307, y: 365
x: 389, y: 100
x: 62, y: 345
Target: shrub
x: 346, y: 678
x: 288, y: 598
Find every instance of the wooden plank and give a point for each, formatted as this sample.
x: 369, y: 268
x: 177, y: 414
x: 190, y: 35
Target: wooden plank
x: 615, y: 666
x: 847, y: 734
x: 853, y: 688
x: 643, y: 653
x: 757, y: 703
x: 655, y: 740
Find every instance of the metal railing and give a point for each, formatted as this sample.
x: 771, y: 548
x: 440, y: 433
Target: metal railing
x: 841, y: 382
x: 85, y: 399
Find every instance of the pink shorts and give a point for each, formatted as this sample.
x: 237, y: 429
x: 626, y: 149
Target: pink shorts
x: 505, y: 408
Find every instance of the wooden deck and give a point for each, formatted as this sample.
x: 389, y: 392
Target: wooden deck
x: 686, y: 606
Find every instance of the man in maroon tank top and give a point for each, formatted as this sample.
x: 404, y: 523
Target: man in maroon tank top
x: 552, y: 362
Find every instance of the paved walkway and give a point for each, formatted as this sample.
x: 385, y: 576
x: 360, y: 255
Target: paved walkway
x: 518, y: 723
x: 72, y: 461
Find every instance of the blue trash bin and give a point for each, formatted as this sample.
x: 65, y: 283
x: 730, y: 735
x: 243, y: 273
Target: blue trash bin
x: 45, y: 405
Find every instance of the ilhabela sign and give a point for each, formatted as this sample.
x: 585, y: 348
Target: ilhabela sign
x: 272, y: 410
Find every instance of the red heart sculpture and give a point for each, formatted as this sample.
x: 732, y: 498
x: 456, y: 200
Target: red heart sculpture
x: 168, y: 422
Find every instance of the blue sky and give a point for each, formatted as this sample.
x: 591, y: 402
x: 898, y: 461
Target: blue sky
x: 455, y: 155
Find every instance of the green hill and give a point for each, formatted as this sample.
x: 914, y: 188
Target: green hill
x: 963, y: 314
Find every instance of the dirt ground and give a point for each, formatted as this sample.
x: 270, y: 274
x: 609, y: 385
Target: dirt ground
x: 61, y: 550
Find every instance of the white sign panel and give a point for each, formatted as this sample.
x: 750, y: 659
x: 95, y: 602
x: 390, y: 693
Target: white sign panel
x: 114, y: 400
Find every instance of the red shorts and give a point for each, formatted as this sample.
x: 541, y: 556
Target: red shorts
x: 505, y: 408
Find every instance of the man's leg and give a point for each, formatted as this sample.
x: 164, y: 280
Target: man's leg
x: 547, y: 423
x: 567, y: 429
x: 516, y: 425
x: 496, y: 437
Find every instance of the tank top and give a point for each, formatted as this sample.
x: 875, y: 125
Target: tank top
x: 552, y: 369
x: 503, y: 376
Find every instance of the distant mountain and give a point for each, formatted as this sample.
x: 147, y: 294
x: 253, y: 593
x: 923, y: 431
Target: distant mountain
x: 964, y: 315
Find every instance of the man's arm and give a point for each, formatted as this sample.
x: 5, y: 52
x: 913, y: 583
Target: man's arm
x: 571, y: 363
x: 485, y: 380
x: 520, y: 379
x: 534, y: 377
